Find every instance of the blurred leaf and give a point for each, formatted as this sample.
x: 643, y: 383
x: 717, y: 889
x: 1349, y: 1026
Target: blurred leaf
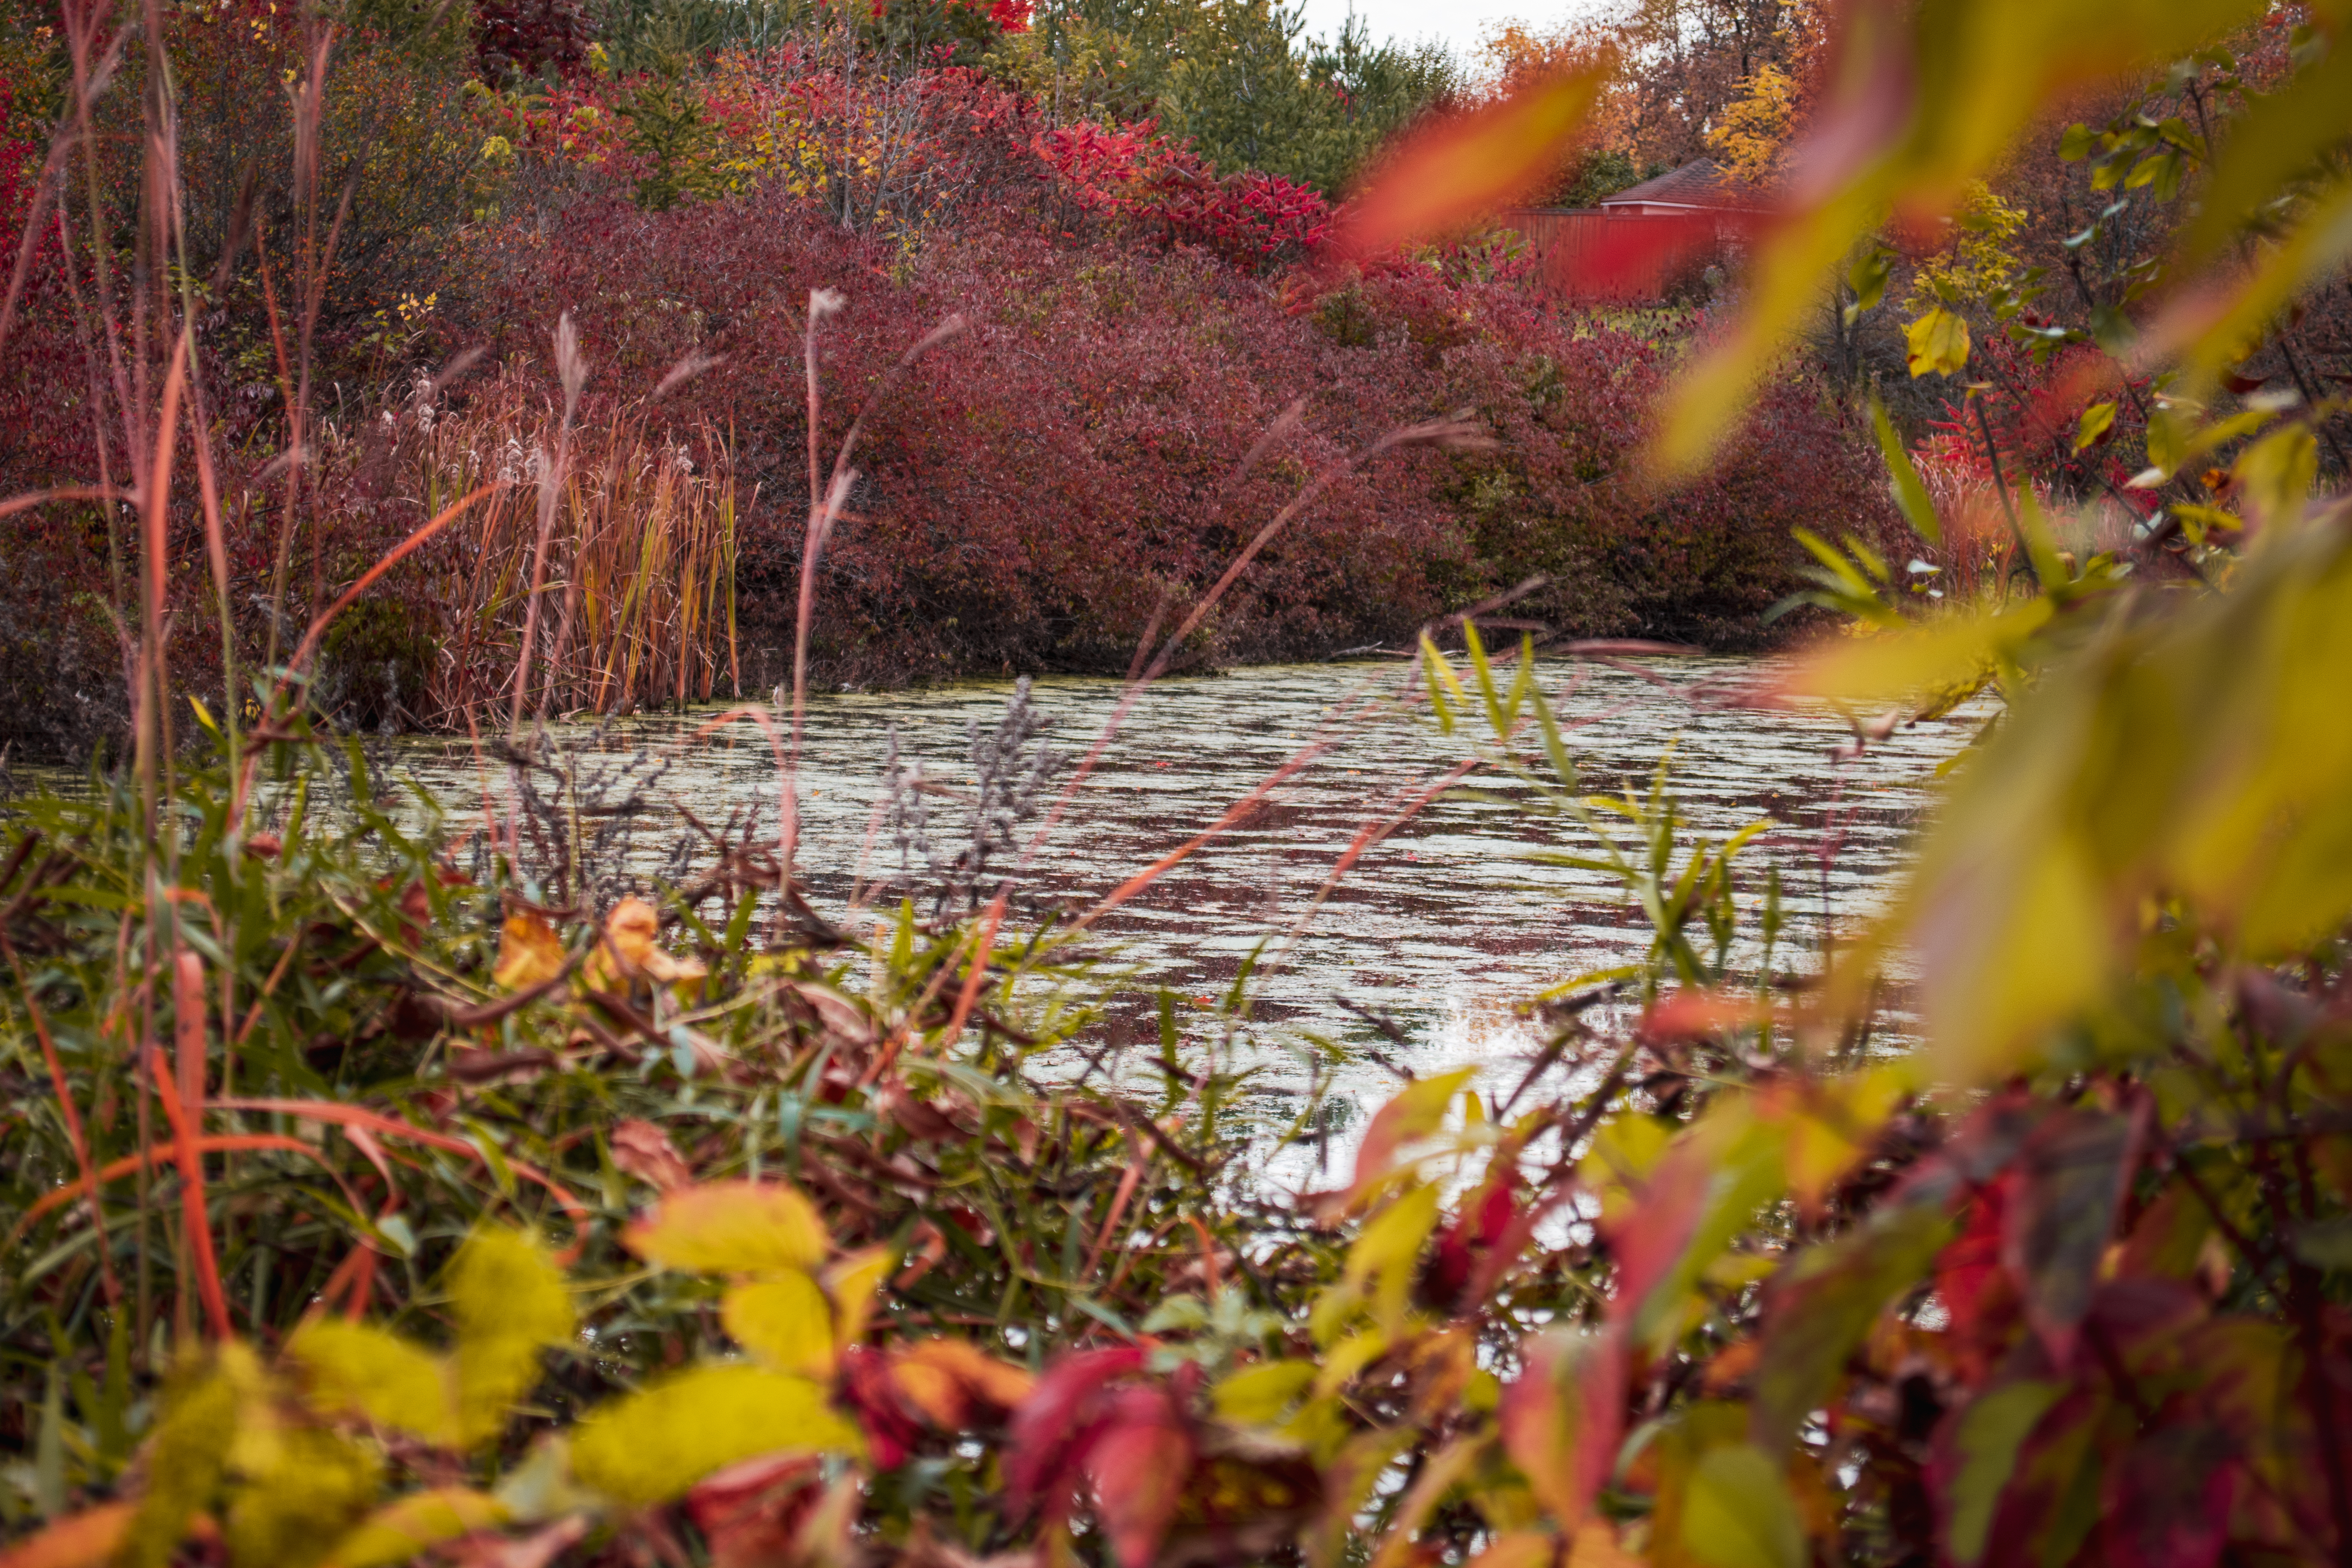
x: 391, y: 1381
x: 509, y: 1303
x: 1417, y: 1112
x: 1739, y: 1512
x: 1561, y: 1417
x: 1919, y: 99
x: 401, y: 1530
x: 86, y: 1540
x: 2218, y: 325
x: 1389, y: 1247
x: 951, y: 1381
x: 2097, y: 420
x: 1821, y: 1305
x: 2075, y: 1169
x: 1911, y: 496
x: 785, y: 1321
x: 288, y: 1509
x: 2168, y: 1498
x: 185, y: 1461
x: 2280, y: 135
x: 852, y: 1281
x: 1702, y: 1193
x: 1922, y: 664
x: 1138, y: 1468
x: 732, y: 1228
x: 649, y: 1446
x: 1990, y: 1434
x: 1260, y: 1394
x: 1467, y: 165
x: 530, y: 953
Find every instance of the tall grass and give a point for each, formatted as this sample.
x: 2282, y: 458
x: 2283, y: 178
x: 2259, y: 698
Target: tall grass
x: 637, y: 602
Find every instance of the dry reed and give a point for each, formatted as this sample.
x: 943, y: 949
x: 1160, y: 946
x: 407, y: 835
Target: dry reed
x: 638, y: 594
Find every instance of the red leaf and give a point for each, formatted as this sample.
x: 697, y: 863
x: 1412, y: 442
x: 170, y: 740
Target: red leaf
x: 1649, y: 1239
x: 1138, y: 1464
x: 882, y: 1412
x: 1467, y: 165
x: 2167, y: 1501
x: 2073, y: 1171
x: 1563, y: 1417
x: 1048, y: 1435
x: 750, y: 1513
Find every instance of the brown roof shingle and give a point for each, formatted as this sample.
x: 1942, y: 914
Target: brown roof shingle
x: 1701, y: 183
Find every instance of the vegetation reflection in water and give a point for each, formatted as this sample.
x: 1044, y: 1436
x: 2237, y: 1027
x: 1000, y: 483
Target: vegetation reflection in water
x: 1444, y: 927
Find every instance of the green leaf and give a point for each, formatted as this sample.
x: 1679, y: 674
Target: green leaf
x: 1911, y: 496
x: 650, y: 1446
x: 1990, y: 1435
x: 1819, y: 1307
x: 1738, y: 1513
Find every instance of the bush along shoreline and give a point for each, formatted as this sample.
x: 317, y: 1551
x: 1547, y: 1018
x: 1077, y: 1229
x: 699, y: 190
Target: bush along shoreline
x: 1157, y: 355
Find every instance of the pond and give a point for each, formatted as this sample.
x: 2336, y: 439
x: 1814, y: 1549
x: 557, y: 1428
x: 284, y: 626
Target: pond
x: 1439, y: 929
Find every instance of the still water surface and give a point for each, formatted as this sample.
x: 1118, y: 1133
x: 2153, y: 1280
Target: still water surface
x: 1441, y: 927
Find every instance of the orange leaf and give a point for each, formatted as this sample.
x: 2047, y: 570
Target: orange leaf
x: 644, y: 1150
x: 85, y: 1540
x: 945, y: 1378
x: 1467, y: 165
x: 530, y: 953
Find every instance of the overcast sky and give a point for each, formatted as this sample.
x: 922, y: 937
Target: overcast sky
x: 1459, y: 23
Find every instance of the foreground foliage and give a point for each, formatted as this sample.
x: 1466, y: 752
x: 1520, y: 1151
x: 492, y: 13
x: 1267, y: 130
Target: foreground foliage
x: 386, y: 1188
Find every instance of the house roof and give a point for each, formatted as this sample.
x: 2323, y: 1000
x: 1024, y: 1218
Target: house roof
x: 1701, y: 183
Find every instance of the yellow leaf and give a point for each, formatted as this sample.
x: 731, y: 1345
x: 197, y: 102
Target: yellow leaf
x: 2097, y: 420
x: 651, y: 1446
x: 1258, y: 1396
x: 391, y: 1381
x: 784, y: 1320
x: 852, y: 1282
x: 1922, y: 664
x: 399, y: 1531
x: 184, y: 1459
x: 946, y: 1378
x: 1389, y: 1246
x: 1938, y: 343
x: 509, y: 1303
x: 319, y: 1485
x: 529, y: 953
x: 731, y: 1227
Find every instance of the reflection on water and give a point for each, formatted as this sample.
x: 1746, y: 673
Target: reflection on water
x: 1440, y: 928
